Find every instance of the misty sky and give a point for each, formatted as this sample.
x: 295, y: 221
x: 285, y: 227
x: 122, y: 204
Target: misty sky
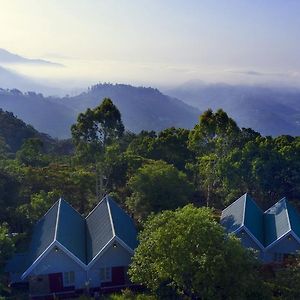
x: 157, y: 41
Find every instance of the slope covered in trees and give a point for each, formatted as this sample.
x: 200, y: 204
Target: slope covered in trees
x: 141, y: 108
x: 147, y: 173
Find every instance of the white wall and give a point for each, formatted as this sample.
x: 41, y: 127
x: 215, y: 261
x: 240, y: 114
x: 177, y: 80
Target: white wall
x: 113, y: 257
x: 59, y: 262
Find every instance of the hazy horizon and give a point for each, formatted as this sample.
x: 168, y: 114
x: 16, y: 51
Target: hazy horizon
x: 160, y: 43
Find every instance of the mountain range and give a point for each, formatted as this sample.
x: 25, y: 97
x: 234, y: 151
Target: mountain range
x: 268, y: 110
x: 7, y: 57
x: 141, y: 108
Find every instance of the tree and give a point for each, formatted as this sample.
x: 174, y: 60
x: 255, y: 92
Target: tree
x: 189, y: 251
x: 98, y: 127
x: 286, y: 282
x: 157, y: 186
x: 215, y: 131
x: 7, y: 245
x: 31, y: 153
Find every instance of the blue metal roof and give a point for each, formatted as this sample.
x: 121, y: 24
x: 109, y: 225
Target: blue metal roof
x: 294, y: 218
x: 98, y: 229
x: 267, y: 227
x: 83, y: 237
x: 17, y: 263
x: 233, y: 216
x: 43, y: 234
x: 253, y: 219
x: 71, y: 230
x: 123, y: 224
x: 276, y: 222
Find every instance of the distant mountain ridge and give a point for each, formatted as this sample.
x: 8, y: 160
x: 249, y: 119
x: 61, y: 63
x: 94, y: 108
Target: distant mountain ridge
x: 141, y: 108
x: 269, y: 110
x: 8, y: 57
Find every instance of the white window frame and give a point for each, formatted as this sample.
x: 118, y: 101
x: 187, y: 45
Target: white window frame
x: 69, y: 278
x: 105, y: 274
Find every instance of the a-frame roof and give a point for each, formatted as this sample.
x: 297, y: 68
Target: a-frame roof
x: 105, y: 222
x: 240, y: 214
x: 43, y: 235
x: 266, y: 228
x: 83, y: 239
x: 276, y: 222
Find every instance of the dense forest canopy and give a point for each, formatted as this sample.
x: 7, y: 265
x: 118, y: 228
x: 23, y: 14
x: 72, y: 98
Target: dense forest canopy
x: 210, y: 165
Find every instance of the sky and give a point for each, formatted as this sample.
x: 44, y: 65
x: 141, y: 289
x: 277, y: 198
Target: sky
x: 156, y: 42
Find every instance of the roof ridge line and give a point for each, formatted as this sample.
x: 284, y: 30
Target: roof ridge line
x: 274, y: 204
x: 57, y: 219
x: 287, y: 213
x: 95, y: 207
x: 244, y: 210
x: 110, y: 217
x: 47, y: 211
x: 233, y: 202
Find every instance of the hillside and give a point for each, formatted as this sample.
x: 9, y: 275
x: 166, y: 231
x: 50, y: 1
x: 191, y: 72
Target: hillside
x: 141, y: 108
x: 13, y: 132
x: 271, y: 111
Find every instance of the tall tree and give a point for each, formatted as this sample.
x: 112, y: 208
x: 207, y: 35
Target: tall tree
x: 98, y: 127
x: 189, y: 251
x: 157, y: 186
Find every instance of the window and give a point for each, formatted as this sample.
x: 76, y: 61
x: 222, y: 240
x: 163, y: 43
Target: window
x: 69, y: 278
x: 105, y: 274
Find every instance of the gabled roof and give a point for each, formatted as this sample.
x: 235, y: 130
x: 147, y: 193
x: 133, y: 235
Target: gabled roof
x: 43, y: 234
x: 276, y: 222
x: 70, y: 231
x: 99, y: 230
x: 123, y: 224
x: 83, y: 239
x: 240, y: 214
x: 106, y: 222
x: 266, y: 228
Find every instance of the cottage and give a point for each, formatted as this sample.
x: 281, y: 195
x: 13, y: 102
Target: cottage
x: 274, y: 233
x: 71, y: 254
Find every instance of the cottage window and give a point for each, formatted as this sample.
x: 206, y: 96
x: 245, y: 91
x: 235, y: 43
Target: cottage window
x: 105, y: 274
x: 69, y: 278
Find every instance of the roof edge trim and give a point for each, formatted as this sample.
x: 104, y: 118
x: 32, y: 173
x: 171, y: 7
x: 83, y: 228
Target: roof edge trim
x: 71, y: 254
x: 110, y: 217
x: 278, y: 239
x: 233, y: 202
x: 287, y: 214
x: 103, y: 199
x: 261, y: 246
x: 30, y: 268
x: 101, y: 252
x: 129, y: 249
x: 57, y: 219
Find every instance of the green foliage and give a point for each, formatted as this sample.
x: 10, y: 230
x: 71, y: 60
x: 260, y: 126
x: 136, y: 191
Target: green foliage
x: 7, y: 245
x: 31, y: 153
x: 286, y: 283
x: 97, y: 127
x: 157, y: 186
x: 189, y: 251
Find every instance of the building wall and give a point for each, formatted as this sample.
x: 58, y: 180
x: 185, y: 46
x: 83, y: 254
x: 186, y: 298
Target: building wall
x: 113, y: 257
x: 59, y: 262
x: 287, y: 245
x: 248, y: 242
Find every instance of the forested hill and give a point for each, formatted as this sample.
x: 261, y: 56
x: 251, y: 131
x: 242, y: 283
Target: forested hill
x: 14, y: 132
x: 141, y: 108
